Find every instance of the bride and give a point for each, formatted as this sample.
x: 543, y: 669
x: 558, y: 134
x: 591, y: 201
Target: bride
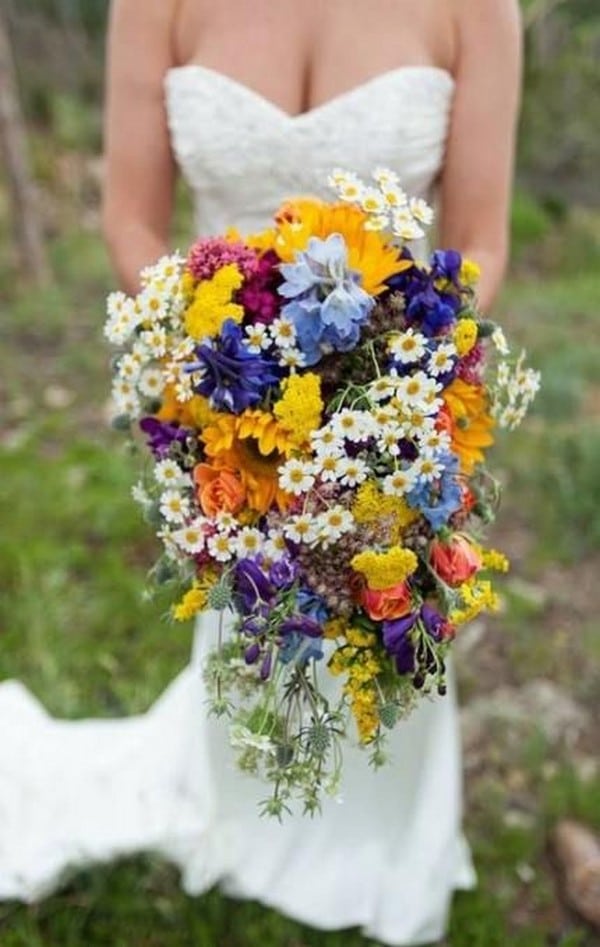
x: 254, y: 101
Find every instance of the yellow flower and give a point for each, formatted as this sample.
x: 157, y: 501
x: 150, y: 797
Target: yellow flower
x: 471, y: 422
x: 360, y: 638
x: 371, y: 506
x: 300, y: 407
x: 195, y: 413
x: 368, y: 252
x: 212, y: 303
x: 253, y: 444
x: 465, y: 335
x: 476, y: 595
x: 334, y: 628
x: 470, y: 273
x: 383, y: 570
x: 494, y: 560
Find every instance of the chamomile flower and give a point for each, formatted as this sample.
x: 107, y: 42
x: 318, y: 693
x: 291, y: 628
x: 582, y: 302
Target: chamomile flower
x: 408, y: 347
x: 427, y: 469
x: 275, y: 547
x: 327, y: 442
x: 394, y: 196
x: 421, y: 211
x: 302, y: 528
x: 169, y: 474
x: 258, y: 338
x: 351, y: 425
x: 417, y: 423
x: 191, y: 538
x: 153, y: 304
x: 382, y: 388
x: 248, y: 542
x: 348, y: 186
x: 372, y: 201
x: 388, y: 441
x: 297, y: 476
x: 503, y: 374
x: 151, y: 382
x: 442, y: 359
x: 433, y: 442
x: 499, y: 341
x: 414, y: 389
x: 405, y: 226
x: 385, y: 178
x: 129, y: 405
x: 333, y: 524
x: 383, y: 414
x: 292, y: 358
x: 351, y: 471
x: 221, y: 547
x: 398, y: 483
x: 174, y: 506
x: 122, y: 388
x: 119, y: 327
x: 283, y: 332
x: 225, y: 522
x: 155, y: 340
x: 326, y: 466
x: 184, y: 388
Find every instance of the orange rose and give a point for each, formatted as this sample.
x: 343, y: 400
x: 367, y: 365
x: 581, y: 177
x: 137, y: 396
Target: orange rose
x: 454, y: 560
x: 386, y: 604
x: 218, y: 490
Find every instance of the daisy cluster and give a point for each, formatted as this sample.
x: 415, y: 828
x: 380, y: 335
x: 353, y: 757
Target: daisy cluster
x: 318, y: 405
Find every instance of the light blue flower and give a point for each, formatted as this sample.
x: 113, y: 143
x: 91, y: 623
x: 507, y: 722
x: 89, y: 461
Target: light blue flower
x: 327, y: 304
x: 438, y: 501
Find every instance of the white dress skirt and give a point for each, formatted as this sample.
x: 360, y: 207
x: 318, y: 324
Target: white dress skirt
x: 386, y: 854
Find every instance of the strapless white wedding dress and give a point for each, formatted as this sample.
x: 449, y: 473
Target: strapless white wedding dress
x: 388, y: 853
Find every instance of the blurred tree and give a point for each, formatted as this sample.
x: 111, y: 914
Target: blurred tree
x: 21, y: 188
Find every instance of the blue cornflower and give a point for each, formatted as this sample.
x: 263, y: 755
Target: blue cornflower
x: 432, y: 310
x: 326, y: 304
x: 232, y: 377
x: 446, y: 264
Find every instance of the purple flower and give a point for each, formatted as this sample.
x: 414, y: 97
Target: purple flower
x: 435, y: 624
x: 301, y: 640
x: 446, y: 264
x: 233, y: 378
x: 396, y: 639
x: 432, y: 311
x: 162, y: 435
x: 253, y: 591
x: 283, y: 573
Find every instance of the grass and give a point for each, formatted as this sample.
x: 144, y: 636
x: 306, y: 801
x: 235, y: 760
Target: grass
x: 77, y: 629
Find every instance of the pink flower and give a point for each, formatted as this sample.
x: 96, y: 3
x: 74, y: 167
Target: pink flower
x: 210, y: 254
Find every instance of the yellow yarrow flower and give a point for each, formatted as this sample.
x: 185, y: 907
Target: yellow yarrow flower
x: 300, y: 408
x: 494, y: 560
x: 195, y: 599
x: 212, y: 303
x: 470, y: 272
x: 465, y: 335
x: 371, y: 506
x: 334, y: 628
x: 359, y: 638
x: 385, y: 569
x: 477, y: 595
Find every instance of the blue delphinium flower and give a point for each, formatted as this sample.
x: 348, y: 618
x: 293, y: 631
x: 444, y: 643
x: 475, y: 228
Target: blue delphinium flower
x: 446, y: 264
x: 162, y: 435
x: 439, y: 500
x: 398, y: 641
x: 232, y: 377
x: 326, y: 304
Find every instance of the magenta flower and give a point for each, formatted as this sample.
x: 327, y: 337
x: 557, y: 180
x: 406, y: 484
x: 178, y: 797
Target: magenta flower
x: 210, y: 254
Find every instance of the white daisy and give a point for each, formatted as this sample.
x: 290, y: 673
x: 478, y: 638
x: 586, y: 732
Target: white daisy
x: 283, y: 332
x: 258, y: 338
x: 414, y: 389
x: 383, y: 387
x: 153, y: 304
x: 155, y: 340
x: 151, y: 382
x: 384, y: 177
x: 326, y: 466
x: 297, y: 476
x: 325, y: 441
x: 417, y: 423
x: 292, y: 358
x: 372, y: 201
x: 170, y: 474
x: 408, y: 347
x: 377, y: 222
x: 174, y: 506
x: 351, y: 425
x: 334, y: 523
x: 428, y: 469
x: 351, y: 471
x: 302, y: 528
x: 399, y: 483
x: 191, y: 538
x: 394, y: 196
x: 433, y: 442
x: 221, y: 547
x: 129, y: 405
x: 421, y: 211
x: 405, y: 227
x: 248, y: 542
x: 275, y: 546
x: 389, y: 438
x: 442, y: 359
x: 184, y: 389
x: 225, y: 522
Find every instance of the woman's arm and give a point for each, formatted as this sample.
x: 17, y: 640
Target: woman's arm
x: 139, y: 181
x: 478, y: 169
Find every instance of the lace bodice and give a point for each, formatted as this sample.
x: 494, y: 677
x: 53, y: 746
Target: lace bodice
x: 241, y: 154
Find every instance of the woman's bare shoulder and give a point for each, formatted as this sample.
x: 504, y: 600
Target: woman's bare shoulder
x: 487, y: 17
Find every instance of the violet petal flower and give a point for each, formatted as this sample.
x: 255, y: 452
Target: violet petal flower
x: 161, y: 435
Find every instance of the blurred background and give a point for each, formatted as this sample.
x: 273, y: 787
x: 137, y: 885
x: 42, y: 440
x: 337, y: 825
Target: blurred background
x: 73, y: 620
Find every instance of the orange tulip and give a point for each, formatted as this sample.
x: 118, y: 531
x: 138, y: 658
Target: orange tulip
x: 386, y: 604
x: 454, y: 560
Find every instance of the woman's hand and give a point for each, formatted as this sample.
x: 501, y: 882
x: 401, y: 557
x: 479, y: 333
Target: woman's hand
x: 138, y: 194
x: 478, y: 169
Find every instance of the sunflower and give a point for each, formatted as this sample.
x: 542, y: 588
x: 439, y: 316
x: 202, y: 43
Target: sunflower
x: 253, y: 444
x: 470, y: 422
x: 368, y: 253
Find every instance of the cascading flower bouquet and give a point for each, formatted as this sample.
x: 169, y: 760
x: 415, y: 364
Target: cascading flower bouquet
x: 318, y: 404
